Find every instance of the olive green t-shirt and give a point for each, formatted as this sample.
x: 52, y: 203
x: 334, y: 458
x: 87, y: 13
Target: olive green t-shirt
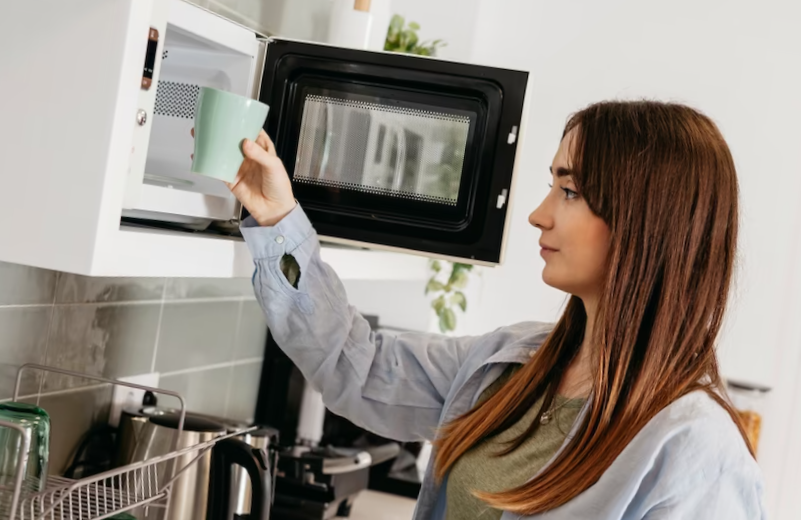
x: 480, y: 470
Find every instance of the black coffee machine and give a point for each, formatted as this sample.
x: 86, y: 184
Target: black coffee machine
x: 319, y: 476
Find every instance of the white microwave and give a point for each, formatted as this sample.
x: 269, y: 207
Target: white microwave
x: 385, y: 151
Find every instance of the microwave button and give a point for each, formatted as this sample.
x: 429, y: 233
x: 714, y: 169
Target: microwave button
x: 141, y: 117
x: 502, y: 199
x: 512, y: 139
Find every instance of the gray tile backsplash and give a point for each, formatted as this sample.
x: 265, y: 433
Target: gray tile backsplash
x: 191, y: 288
x: 205, y: 337
x: 205, y: 391
x: 243, y: 390
x: 74, y: 288
x: 23, y: 339
x: 21, y: 285
x: 101, y: 340
x: 196, y: 334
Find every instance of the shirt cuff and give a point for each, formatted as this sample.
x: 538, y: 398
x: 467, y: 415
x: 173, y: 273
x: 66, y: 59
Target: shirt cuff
x: 275, y: 241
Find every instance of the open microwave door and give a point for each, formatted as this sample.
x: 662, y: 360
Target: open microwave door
x: 397, y: 151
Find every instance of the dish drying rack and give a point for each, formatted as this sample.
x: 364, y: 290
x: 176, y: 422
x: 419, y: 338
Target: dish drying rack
x: 106, y: 494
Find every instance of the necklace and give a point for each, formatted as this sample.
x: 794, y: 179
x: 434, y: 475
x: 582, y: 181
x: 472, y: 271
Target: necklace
x: 547, y: 416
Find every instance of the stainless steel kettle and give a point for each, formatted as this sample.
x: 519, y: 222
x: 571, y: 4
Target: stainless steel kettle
x: 189, y: 493
x: 232, y: 481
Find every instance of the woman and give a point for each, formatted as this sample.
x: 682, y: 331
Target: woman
x: 614, y: 412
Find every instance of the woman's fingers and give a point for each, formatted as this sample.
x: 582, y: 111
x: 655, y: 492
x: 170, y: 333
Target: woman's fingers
x: 257, y: 153
x: 265, y: 142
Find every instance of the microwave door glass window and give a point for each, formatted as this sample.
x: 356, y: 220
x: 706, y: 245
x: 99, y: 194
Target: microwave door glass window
x: 382, y: 149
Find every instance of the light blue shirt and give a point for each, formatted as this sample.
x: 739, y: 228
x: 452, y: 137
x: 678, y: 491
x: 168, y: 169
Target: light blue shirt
x: 688, y: 462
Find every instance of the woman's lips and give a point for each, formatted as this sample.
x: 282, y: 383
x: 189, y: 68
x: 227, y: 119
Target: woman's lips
x: 546, y: 251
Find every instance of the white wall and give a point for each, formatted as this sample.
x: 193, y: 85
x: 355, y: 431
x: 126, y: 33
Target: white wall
x: 739, y: 63
x: 400, y: 304
x: 308, y: 20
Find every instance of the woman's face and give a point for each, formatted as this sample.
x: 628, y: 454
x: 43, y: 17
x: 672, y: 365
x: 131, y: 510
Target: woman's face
x: 575, y: 242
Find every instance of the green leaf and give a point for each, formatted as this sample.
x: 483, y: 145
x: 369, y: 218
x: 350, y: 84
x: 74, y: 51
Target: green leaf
x: 458, y: 280
x: 434, y: 285
x: 404, y: 38
x: 447, y: 320
x: 462, y: 267
x: 458, y: 298
x: 461, y: 280
x: 438, y: 304
x: 436, y: 266
x: 397, y: 23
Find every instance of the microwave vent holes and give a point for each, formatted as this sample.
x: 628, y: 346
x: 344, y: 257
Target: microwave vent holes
x: 175, y: 99
x: 387, y: 109
x: 165, y: 54
x: 375, y: 190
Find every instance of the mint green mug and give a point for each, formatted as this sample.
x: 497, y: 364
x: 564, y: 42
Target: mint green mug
x: 222, y: 121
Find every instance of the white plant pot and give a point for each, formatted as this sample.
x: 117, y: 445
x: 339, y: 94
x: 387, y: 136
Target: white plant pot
x: 359, y: 29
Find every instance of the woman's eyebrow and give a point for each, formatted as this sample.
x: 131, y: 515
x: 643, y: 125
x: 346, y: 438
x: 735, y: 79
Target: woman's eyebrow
x: 562, y: 172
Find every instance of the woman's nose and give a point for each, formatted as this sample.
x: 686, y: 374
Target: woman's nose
x: 541, y: 217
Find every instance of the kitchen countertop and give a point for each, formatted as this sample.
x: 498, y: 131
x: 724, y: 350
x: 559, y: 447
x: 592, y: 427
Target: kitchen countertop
x: 372, y: 505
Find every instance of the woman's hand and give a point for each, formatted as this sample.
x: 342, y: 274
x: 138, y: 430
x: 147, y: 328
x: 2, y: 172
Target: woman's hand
x: 262, y: 184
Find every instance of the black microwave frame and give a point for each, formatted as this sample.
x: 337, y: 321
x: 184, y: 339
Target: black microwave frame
x: 473, y: 231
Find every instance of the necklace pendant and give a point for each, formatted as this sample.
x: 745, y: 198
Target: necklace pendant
x: 545, y: 418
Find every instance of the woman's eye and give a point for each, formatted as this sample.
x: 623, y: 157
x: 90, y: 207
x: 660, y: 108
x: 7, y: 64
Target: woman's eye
x: 570, y: 194
x: 550, y: 185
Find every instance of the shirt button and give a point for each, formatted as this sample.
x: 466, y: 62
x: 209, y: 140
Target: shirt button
x: 279, y: 239
x: 532, y: 353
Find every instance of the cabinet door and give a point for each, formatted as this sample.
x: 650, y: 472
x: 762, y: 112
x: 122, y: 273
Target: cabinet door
x: 71, y: 77
x: 196, y: 48
x: 146, y: 102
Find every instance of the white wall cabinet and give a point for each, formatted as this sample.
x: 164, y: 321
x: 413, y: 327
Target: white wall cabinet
x: 83, y: 144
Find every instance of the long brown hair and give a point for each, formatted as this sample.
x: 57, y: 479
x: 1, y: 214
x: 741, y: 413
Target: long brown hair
x: 662, y: 177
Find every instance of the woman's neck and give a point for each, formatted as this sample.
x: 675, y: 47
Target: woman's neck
x: 577, y: 380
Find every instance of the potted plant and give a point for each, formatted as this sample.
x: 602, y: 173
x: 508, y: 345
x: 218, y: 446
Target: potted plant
x: 403, y: 38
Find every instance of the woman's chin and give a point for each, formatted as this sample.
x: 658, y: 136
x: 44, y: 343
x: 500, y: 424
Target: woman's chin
x: 557, y: 280
x: 550, y: 278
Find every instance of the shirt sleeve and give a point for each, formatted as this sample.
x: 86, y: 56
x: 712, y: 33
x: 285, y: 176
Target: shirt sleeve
x: 393, y: 385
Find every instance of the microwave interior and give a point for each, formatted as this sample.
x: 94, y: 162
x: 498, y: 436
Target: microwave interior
x: 398, y: 150
x: 171, y: 195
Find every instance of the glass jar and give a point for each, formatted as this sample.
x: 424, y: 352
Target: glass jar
x: 749, y: 401
x: 36, y: 423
